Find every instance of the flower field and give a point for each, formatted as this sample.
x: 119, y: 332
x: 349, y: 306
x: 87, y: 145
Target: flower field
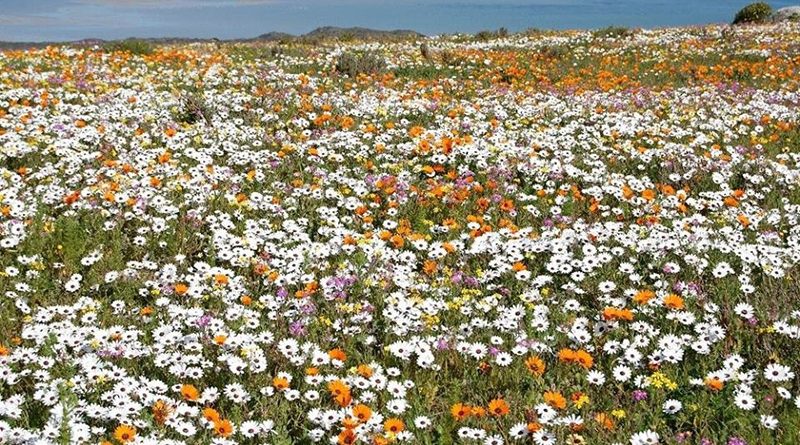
x: 547, y: 238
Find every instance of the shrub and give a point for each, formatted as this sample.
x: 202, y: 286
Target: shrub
x: 484, y: 35
x: 489, y: 35
x: 353, y: 64
x: 347, y: 37
x: 753, y: 13
x: 450, y: 58
x: 194, y: 109
x: 613, y: 32
x: 132, y: 46
x: 555, y: 51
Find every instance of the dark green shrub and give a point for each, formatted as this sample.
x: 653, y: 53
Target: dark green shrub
x: 484, y: 35
x: 132, y: 46
x: 490, y: 35
x: 757, y: 12
x: 353, y: 64
x: 347, y: 37
x: 613, y: 32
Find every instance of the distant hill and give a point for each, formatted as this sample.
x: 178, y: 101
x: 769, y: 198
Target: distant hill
x: 360, y: 33
x: 321, y: 33
x: 275, y: 36
x: 339, y: 33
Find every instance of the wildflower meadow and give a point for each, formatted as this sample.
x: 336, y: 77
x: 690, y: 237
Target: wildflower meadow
x: 572, y: 237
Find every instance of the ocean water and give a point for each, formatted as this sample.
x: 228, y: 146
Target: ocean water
x: 471, y: 16
x: 39, y: 20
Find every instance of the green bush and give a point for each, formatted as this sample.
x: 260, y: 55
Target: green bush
x: 490, y: 35
x: 556, y: 51
x: 193, y: 109
x: 612, y: 32
x: 132, y: 46
x: 753, y: 13
x: 353, y: 64
x: 450, y: 58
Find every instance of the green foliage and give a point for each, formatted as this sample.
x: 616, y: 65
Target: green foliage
x: 353, y: 64
x: 757, y: 12
x: 613, y: 32
x: 194, y: 109
x: 490, y: 35
x: 559, y: 51
x: 133, y: 46
x: 450, y: 58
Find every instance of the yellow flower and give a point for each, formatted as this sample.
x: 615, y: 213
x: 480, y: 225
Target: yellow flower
x: 618, y: 413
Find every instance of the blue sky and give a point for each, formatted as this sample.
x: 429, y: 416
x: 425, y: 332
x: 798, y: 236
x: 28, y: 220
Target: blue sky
x: 48, y: 20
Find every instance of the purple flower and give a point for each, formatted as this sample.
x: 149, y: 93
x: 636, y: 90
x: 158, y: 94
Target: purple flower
x: 297, y: 329
x: 639, y: 395
x: 736, y: 441
x: 204, y: 320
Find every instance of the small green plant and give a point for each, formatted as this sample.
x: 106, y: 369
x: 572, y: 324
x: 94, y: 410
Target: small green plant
x: 194, y: 109
x: 757, y: 12
x: 133, y: 46
x: 353, y: 64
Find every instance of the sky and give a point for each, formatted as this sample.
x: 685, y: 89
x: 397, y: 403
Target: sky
x: 62, y: 20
